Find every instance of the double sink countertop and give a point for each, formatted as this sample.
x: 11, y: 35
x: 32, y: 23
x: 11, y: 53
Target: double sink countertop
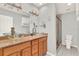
x: 17, y: 40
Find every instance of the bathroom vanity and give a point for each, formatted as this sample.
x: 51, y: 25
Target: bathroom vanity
x: 24, y: 40
x: 35, y: 45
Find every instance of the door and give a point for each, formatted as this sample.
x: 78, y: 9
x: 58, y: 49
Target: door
x: 59, y: 32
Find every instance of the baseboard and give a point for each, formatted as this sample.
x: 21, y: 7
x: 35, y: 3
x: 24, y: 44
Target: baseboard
x: 50, y: 54
x: 72, y: 46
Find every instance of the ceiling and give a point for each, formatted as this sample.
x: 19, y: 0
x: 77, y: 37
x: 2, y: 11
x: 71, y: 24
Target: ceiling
x: 62, y: 8
x: 39, y: 5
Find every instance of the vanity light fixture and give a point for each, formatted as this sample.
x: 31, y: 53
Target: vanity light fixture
x: 77, y: 18
x: 14, y: 5
x: 69, y: 4
x: 40, y: 3
x: 34, y: 12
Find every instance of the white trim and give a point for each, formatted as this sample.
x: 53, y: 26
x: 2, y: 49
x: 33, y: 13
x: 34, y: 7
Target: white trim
x: 50, y: 54
x: 73, y: 46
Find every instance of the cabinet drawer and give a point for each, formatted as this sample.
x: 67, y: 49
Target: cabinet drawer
x: 34, y: 49
x: 26, y: 51
x: 12, y: 49
x: 15, y: 54
x: 41, y: 40
x: 34, y: 42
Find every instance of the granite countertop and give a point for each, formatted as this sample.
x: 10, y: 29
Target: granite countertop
x: 6, y: 43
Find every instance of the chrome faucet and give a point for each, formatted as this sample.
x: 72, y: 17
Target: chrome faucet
x: 34, y: 29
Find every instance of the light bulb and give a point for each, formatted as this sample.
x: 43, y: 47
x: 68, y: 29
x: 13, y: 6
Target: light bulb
x: 40, y: 3
x: 69, y: 4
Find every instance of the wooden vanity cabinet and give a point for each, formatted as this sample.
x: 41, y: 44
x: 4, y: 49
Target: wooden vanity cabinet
x: 35, y: 47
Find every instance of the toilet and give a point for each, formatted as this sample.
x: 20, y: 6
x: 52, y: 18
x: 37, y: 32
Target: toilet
x: 68, y: 41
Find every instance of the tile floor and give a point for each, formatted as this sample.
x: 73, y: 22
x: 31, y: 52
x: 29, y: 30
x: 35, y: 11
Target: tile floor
x: 62, y: 51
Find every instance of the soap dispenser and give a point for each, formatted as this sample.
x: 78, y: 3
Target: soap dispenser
x: 12, y: 32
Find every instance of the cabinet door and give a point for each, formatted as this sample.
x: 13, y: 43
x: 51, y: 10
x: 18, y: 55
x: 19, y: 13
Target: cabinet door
x: 41, y: 48
x: 26, y: 52
x: 45, y: 46
x: 1, y: 52
x: 35, y: 49
x: 15, y: 54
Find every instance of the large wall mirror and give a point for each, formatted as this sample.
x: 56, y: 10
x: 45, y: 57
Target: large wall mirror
x: 6, y: 22
x: 19, y: 22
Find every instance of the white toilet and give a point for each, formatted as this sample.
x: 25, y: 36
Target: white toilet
x: 68, y: 41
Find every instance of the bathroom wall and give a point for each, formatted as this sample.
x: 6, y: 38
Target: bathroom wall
x: 43, y: 18
x: 77, y: 33
x: 48, y: 15
x: 52, y: 29
x: 69, y: 26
